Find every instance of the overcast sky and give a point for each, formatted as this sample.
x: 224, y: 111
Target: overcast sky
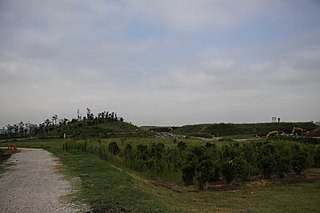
x: 160, y: 62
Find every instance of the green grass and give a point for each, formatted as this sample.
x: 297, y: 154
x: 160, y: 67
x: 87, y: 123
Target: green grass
x: 249, y: 129
x: 105, y: 186
x: 102, y: 130
x: 101, y: 185
x: 302, y: 197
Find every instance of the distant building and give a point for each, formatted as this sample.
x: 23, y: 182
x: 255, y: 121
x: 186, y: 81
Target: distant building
x: 275, y: 120
x: 317, y: 123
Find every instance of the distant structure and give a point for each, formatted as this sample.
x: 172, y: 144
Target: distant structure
x: 318, y: 123
x: 275, y: 120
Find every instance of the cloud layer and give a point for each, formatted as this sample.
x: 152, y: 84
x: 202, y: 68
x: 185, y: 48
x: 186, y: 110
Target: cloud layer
x: 160, y: 62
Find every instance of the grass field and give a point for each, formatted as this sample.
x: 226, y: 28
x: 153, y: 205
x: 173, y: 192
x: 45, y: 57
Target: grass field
x: 249, y: 129
x: 105, y: 186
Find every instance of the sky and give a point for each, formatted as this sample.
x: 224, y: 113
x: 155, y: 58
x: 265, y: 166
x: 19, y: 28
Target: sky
x: 160, y: 62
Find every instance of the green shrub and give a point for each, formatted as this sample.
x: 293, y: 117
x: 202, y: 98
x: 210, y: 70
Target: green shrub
x: 283, y: 160
x: 317, y: 157
x: 242, y: 168
x: 210, y: 145
x: 299, y: 159
x: 267, y: 166
x: 228, y: 171
x: 215, y: 172
x: 182, y: 145
x: 114, y: 148
x: 283, y: 164
x: 229, y: 152
x: 188, y: 172
x: 204, y: 172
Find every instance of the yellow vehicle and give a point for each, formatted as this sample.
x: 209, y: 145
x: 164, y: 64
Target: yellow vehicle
x: 273, y: 133
x: 297, y: 131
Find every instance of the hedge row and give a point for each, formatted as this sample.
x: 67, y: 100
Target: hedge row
x: 204, y: 164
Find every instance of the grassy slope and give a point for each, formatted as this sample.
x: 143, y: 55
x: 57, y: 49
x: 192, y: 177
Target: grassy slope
x: 105, y: 187
x: 273, y: 198
x: 223, y: 129
x: 102, y: 130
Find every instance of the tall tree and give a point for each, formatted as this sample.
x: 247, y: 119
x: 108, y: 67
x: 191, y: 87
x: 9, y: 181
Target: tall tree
x: 10, y: 129
x: 90, y: 116
x: 54, y: 119
x: 21, y: 128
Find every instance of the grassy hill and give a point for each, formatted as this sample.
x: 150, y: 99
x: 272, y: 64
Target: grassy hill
x: 229, y: 129
x: 102, y: 130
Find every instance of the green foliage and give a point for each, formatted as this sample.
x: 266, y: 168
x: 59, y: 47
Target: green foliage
x: 182, y: 145
x: 202, y: 163
x: 299, y: 159
x: 250, y: 154
x: 267, y: 166
x: 204, y: 172
x: 210, y: 145
x: 228, y: 170
x: 226, y: 129
x: 317, y: 157
x: 114, y: 148
x: 188, y: 172
x: 107, y: 188
x: 198, y: 151
x: 283, y: 160
x: 229, y: 152
x: 267, y: 162
x: 215, y: 172
x: 242, y: 168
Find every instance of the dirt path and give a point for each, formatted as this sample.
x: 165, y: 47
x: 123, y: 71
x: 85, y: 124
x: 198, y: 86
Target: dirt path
x: 32, y: 185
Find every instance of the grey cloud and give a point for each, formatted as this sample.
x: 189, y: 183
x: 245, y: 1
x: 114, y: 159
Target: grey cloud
x: 195, y: 15
x: 58, y: 56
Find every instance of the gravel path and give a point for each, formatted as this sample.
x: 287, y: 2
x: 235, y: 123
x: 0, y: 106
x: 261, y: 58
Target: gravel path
x: 32, y: 185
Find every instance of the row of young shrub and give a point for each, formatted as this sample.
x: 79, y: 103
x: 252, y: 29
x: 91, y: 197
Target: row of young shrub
x: 204, y: 164
x: 246, y: 160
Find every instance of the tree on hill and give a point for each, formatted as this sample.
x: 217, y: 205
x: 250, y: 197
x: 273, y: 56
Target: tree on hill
x: 54, y: 119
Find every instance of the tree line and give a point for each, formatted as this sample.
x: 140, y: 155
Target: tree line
x: 27, y: 129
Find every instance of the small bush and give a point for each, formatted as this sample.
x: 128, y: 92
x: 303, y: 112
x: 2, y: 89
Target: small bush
x: 228, y: 171
x: 317, y: 157
x: 182, y: 146
x: 267, y: 166
x: 188, y: 172
x: 114, y: 148
x: 242, y: 168
x: 204, y: 172
x: 299, y: 159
